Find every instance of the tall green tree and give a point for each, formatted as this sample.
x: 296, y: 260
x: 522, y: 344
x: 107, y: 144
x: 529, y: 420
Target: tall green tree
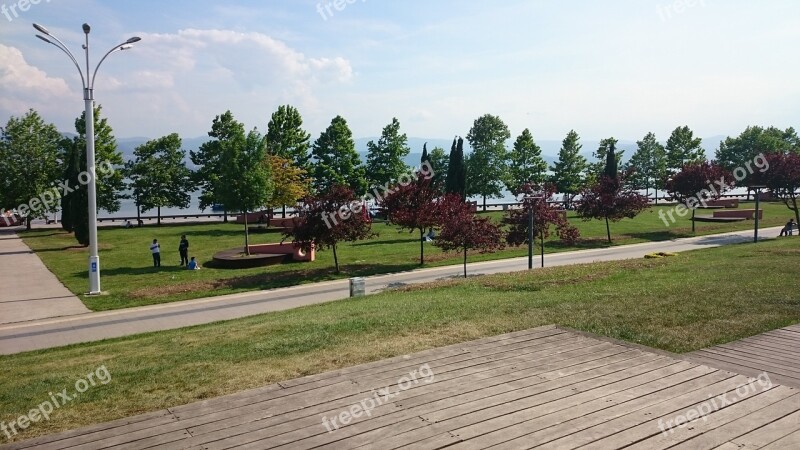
x: 286, y: 137
x: 647, y: 167
x: 210, y: 159
x: 683, y: 148
x: 487, y: 164
x: 159, y: 176
x: 438, y: 160
x: 246, y: 171
x: 736, y: 152
x: 335, y: 160
x: 111, y: 185
x: 568, y: 171
x: 75, y: 203
x: 456, y: 182
x: 29, y: 165
x: 526, y: 165
x: 385, y: 159
x: 597, y: 168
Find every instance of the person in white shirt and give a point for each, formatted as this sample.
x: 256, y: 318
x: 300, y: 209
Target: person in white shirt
x: 156, y: 250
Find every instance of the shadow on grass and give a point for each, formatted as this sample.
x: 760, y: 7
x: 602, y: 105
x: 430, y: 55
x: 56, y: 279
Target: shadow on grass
x: 393, y: 241
x: 139, y: 270
x: 264, y: 281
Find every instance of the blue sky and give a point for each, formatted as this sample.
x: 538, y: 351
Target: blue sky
x: 614, y: 68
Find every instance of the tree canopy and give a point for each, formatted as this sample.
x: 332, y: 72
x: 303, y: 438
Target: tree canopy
x: 385, y: 159
x: 335, y: 160
x: 568, y: 171
x: 486, y: 165
x: 683, y: 148
x: 286, y: 137
x: 526, y: 165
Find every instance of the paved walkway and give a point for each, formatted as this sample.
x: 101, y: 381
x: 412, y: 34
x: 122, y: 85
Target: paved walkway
x: 42, y: 334
x: 543, y: 388
x: 28, y: 290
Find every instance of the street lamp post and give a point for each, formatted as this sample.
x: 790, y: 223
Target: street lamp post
x: 758, y: 203
x: 531, y: 221
x: 87, y: 82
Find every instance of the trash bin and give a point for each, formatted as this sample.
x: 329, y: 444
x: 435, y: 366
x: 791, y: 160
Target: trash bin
x: 357, y: 287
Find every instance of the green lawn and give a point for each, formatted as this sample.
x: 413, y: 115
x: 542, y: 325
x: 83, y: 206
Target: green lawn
x: 680, y: 304
x: 130, y: 280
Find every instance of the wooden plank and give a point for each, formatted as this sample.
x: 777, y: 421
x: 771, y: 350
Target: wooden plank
x: 449, y: 399
x: 554, y: 400
x: 770, y: 351
x: 758, y: 359
x: 316, y: 435
x: 346, y: 386
x: 94, y: 432
x: 749, y: 419
x: 660, y: 432
x: 743, y: 362
x: 769, y: 433
x: 571, y: 420
x: 648, y: 415
x: 789, y: 442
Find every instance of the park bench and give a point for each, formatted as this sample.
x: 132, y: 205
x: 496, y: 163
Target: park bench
x: 297, y: 253
x: 739, y: 214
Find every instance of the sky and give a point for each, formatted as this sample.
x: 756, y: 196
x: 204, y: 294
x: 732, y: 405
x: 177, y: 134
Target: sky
x: 617, y: 68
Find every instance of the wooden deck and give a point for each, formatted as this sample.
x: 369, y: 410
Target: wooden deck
x: 546, y: 387
x: 776, y: 352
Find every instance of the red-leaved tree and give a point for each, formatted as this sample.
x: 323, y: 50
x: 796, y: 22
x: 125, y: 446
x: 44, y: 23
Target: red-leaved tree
x: 546, y: 217
x: 462, y: 229
x: 782, y: 178
x: 608, y: 199
x: 697, y: 183
x: 329, y: 218
x: 414, y: 207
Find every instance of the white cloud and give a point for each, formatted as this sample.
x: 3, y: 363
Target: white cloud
x: 23, y: 86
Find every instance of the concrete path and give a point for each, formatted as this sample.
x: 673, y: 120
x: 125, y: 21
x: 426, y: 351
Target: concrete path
x: 28, y: 290
x: 42, y: 334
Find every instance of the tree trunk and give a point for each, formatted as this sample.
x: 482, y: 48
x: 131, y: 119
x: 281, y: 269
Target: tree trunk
x: 484, y: 203
x: 608, y: 231
x: 656, y: 196
x: 796, y: 213
x: 283, y: 212
x: 138, y: 215
x: 421, y: 247
x: 159, y: 216
x: 335, y: 259
x: 694, y: 210
x: 246, y: 236
x: 225, y: 215
x: 28, y: 221
x: 465, y: 261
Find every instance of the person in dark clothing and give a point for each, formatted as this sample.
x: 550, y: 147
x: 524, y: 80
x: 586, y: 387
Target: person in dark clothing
x: 787, y: 230
x: 183, y: 249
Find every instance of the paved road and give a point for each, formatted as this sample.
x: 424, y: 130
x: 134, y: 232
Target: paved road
x: 28, y: 290
x: 42, y: 334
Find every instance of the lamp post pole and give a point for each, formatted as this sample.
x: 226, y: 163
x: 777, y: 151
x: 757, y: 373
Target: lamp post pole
x: 758, y: 203
x: 87, y: 82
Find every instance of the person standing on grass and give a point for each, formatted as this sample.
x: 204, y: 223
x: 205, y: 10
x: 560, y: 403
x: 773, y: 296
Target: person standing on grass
x: 787, y: 230
x: 156, y: 250
x: 183, y: 249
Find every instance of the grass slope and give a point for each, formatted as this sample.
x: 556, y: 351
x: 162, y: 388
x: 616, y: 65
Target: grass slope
x: 131, y: 281
x: 680, y: 304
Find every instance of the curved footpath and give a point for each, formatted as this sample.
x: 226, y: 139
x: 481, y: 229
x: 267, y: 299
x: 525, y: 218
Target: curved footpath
x: 28, y: 290
x: 87, y: 327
